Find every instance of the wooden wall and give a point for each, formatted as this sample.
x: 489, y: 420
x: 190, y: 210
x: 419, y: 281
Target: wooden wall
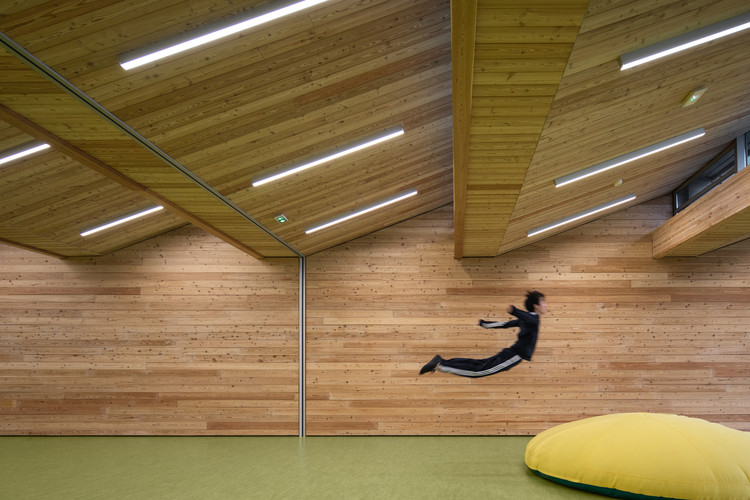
x: 184, y: 334
x: 181, y: 334
x: 624, y: 333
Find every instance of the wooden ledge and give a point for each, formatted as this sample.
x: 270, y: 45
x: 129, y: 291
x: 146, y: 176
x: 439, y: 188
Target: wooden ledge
x: 718, y: 219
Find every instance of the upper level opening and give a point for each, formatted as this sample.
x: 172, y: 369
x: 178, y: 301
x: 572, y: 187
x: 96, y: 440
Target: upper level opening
x: 727, y: 163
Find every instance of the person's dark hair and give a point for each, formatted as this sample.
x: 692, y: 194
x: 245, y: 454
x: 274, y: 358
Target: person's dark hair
x: 532, y: 299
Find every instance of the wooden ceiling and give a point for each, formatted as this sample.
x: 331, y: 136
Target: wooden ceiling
x: 497, y: 98
x: 528, y: 129
x: 191, y: 132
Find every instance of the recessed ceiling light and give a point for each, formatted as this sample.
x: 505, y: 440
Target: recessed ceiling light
x: 122, y: 221
x: 22, y: 151
x: 196, y: 38
x: 362, y: 211
x: 330, y: 156
x: 685, y: 41
x: 580, y: 215
x: 627, y: 158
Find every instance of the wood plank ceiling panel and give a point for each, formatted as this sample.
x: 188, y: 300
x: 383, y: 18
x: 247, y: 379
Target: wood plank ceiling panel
x: 545, y: 91
x: 48, y: 199
x: 600, y: 112
x: 521, y: 49
x: 286, y: 91
x: 51, y: 199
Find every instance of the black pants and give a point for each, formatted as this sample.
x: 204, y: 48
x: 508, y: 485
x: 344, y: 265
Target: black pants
x: 467, y: 367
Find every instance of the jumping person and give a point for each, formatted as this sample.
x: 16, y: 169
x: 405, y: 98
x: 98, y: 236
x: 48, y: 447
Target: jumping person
x: 527, y: 321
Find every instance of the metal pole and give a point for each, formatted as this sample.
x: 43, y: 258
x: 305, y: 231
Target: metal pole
x: 302, y: 314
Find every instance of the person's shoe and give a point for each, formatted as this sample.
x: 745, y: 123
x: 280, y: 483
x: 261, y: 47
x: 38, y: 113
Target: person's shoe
x: 431, y: 366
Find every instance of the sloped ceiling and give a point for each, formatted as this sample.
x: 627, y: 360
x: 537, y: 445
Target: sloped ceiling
x: 494, y: 108
x: 219, y: 116
x: 598, y: 112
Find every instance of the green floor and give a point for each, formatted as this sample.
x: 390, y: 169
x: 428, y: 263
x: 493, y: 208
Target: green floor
x: 271, y: 467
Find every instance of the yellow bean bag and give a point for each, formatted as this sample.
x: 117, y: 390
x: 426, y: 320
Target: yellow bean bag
x: 645, y: 455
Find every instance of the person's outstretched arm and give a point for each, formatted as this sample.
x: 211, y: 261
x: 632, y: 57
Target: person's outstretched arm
x: 522, y: 315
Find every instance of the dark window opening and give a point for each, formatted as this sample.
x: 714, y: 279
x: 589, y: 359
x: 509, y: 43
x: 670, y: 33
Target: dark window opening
x: 714, y: 173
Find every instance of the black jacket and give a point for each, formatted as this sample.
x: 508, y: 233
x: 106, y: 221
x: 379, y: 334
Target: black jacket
x: 529, y: 331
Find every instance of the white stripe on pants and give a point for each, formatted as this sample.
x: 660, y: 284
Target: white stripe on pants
x: 465, y: 367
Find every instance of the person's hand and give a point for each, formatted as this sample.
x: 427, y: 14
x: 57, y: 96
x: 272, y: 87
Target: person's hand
x: 510, y: 308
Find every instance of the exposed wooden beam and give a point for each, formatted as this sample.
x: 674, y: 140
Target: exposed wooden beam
x: 463, y: 30
x: 521, y: 52
x: 718, y: 219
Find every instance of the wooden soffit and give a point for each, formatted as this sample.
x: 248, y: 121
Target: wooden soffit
x: 719, y: 218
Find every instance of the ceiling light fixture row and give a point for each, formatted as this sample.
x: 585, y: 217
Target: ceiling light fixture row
x: 331, y: 155
x: 684, y: 41
x: 122, y: 220
x: 335, y: 154
x: 213, y: 32
x: 361, y: 211
x: 627, y: 158
x: 21, y: 151
x: 580, y: 215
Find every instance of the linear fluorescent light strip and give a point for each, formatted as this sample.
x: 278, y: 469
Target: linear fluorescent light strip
x: 122, y: 221
x: 130, y: 63
x: 25, y: 151
x: 635, y: 155
x: 371, y: 208
x: 580, y: 215
x: 351, y: 148
x: 685, y: 41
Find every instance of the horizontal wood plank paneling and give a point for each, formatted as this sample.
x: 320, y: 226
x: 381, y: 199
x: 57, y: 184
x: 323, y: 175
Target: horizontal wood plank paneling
x: 625, y: 332
x: 182, y: 334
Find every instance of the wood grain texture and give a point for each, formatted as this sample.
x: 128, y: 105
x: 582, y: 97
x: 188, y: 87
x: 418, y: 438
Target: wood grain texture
x: 624, y: 333
x: 180, y: 335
